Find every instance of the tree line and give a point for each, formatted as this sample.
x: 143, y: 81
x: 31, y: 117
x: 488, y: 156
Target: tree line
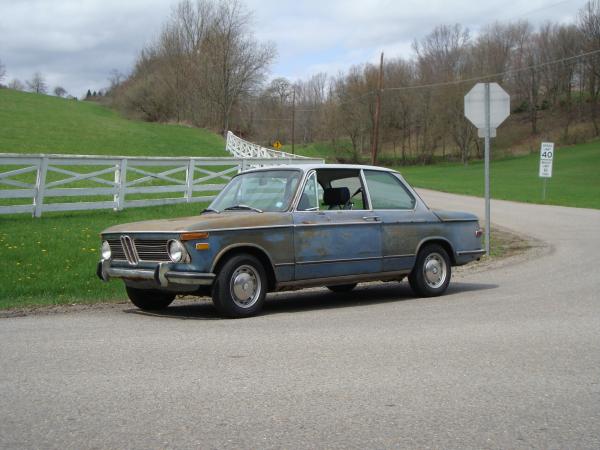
x: 36, y: 84
x: 552, y: 71
x: 207, y: 69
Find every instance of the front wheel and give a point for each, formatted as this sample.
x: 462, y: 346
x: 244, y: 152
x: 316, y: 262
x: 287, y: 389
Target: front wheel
x: 149, y: 299
x: 240, y: 287
x: 431, y: 275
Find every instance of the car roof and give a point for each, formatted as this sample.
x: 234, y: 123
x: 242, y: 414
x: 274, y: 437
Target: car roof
x: 308, y: 167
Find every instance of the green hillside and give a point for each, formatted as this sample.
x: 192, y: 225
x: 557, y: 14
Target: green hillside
x: 33, y: 123
x: 575, y: 180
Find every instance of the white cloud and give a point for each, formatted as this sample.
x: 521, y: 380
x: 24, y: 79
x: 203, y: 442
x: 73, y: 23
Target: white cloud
x: 77, y: 43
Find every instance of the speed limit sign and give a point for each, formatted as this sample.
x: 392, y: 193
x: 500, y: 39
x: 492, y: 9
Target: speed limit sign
x: 546, y: 156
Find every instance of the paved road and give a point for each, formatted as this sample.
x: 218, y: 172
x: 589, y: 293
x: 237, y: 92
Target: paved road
x: 510, y: 358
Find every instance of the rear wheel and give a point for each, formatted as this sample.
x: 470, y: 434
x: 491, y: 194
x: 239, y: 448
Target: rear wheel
x: 340, y: 288
x: 431, y: 275
x: 149, y: 299
x: 240, y: 287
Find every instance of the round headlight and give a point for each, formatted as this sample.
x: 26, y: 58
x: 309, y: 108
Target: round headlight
x: 106, y: 253
x: 176, y: 251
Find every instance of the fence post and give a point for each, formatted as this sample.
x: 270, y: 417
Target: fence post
x: 40, y: 187
x: 120, y: 182
x: 189, y: 180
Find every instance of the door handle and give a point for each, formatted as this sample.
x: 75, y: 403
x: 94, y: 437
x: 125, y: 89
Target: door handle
x: 372, y: 218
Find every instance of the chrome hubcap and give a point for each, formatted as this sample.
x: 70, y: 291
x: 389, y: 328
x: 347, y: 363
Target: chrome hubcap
x: 434, y: 270
x: 245, y: 286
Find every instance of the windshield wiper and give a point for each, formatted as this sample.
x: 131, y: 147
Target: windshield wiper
x: 251, y: 208
x: 209, y: 210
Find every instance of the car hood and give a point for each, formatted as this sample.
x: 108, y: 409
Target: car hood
x: 207, y: 221
x: 454, y: 216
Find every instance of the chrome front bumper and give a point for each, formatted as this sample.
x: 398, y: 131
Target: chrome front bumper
x: 162, y: 275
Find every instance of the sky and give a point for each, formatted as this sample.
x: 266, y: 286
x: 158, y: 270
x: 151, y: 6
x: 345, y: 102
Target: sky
x: 77, y: 43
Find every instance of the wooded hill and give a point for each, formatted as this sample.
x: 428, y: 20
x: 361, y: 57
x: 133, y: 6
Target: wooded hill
x: 207, y: 69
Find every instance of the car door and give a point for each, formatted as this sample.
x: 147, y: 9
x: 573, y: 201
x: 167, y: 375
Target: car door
x: 395, y: 206
x: 334, y: 243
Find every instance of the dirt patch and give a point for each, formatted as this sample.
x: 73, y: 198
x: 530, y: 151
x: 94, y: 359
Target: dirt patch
x: 507, y: 248
x: 59, y: 309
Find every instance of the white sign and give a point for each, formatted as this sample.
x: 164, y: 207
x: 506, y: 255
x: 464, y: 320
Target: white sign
x: 475, y: 107
x: 546, y: 155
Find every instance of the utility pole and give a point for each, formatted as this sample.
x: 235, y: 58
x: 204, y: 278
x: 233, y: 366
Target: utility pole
x: 375, y: 142
x: 293, y: 119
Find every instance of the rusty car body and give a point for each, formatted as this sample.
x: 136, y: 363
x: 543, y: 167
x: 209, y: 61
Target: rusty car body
x: 290, y: 227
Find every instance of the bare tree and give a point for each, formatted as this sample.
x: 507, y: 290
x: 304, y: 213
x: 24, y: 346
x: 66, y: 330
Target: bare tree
x: 16, y: 84
x: 60, y: 91
x: 2, y: 71
x: 236, y: 61
x: 589, y: 24
x: 443, y: 56
x: 37, y: 84
x: 115, y: 78
x: 204, y: 63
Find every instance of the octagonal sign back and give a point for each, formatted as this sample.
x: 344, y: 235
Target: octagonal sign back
x: 475, y: 105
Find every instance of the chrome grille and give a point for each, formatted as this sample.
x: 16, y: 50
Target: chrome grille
x: 128, y: 249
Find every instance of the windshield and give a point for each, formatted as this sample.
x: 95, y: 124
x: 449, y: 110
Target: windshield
x: 268, y: 190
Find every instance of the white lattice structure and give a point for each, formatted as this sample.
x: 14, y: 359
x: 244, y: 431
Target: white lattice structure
x: 239, y: 148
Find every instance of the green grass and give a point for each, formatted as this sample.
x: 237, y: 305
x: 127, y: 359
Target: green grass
x: 33, y: 123
x: 52, y: 260
x: 575, y: 180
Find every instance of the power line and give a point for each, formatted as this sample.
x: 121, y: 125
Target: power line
x: 494, y: 75
x: 453, y: 82
x: 536, y: 10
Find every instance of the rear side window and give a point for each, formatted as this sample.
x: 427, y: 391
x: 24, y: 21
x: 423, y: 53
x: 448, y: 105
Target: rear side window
x: 387, y: 192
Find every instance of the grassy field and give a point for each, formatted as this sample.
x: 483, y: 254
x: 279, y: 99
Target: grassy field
x: 52, y: 260
x: 32, y: 123
x: 575, y: 180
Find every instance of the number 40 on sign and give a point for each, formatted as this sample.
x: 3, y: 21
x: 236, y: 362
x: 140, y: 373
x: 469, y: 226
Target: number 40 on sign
x: 546, y: 155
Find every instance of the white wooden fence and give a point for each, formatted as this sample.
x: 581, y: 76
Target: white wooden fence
x: 97, y: 182
x: 240, y: 148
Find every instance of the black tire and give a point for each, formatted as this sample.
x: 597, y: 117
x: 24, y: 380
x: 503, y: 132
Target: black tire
x: 240, y: 287
x: 341, y: 288
x: 431, y: 275
x: 149, y: 299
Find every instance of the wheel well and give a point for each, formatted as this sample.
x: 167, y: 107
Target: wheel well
x: 257, y: 253
x: 445, y: 245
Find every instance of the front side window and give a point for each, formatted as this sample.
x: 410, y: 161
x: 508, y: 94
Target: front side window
x: 387, y: 192
x: 267, y: 190
x: 309, y: 200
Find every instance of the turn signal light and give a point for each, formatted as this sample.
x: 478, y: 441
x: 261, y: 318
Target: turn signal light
x: 202, y: 246
x: 193, y: 236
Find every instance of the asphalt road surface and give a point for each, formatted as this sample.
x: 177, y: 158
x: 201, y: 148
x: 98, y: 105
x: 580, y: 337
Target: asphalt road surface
x: 509, y: 358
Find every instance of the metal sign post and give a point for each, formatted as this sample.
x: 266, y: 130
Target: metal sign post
x: 487, y: 170
x: 487, y: 105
